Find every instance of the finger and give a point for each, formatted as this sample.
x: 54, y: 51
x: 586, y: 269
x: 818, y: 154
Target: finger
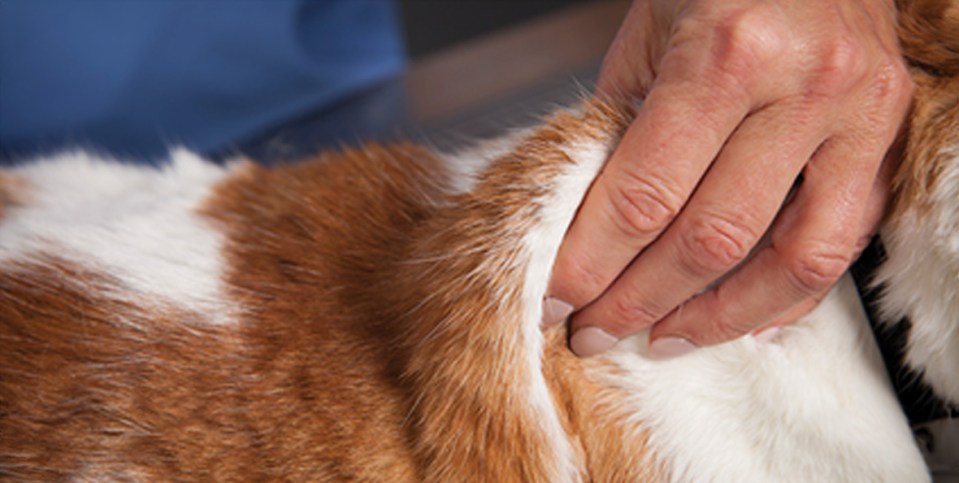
x: 643, y: 187
x: 702, y: 91
x: 881, y: 195
x: 791, y: 314
x: 628, y: 71
x: 813, y: 242
x: 726, y: 217
x: 875, y: 208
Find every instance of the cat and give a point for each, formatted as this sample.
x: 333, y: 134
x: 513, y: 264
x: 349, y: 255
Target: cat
x: 374, y: 314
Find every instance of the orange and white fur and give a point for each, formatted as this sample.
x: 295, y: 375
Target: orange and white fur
x: 921, y: 275
x: 374, y: 315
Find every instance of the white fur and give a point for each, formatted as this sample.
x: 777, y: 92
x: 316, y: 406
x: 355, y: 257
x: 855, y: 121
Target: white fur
x: 135, y: 223
x: 813, y: 406
x: 467, y: 163
x: 540, y: 246
x: 921, y: 281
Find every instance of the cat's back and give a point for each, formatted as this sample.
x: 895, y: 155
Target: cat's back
x: 163, y: 324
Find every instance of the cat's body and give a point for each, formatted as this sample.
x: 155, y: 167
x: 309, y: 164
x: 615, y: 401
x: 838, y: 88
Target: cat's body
x: 374, y: 315
x: 358, y: 316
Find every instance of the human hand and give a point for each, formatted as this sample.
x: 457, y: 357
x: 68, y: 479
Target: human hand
x: 741, y: 97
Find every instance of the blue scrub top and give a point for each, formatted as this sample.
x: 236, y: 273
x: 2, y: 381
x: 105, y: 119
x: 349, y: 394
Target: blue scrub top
x: 133, y: 77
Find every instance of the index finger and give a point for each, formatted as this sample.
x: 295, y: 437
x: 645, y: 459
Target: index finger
x: 676, y: 135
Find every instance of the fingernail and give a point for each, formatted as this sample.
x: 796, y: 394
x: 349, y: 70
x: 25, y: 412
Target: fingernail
x: 590, y: 341
x: 767, y: 335
x: 555, y: 311
x: 670, y: 347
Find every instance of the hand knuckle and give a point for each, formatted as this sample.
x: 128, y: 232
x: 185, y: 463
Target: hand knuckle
x: 893, y: 85
x: 630, y: 314
x: 724, y: 328
x: 715, y: 244
x: 817, y: 269
x: 905, y: 83
x: 747, y: 42
x: 842, y: 64
x: 584, y: 281
x: 643, y: 205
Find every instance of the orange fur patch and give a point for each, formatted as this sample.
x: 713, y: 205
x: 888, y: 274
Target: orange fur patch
x: 612, y: 445
x: 929, y: 34
x: 379, y: 338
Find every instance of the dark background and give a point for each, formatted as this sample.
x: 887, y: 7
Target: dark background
x: 431, y: 25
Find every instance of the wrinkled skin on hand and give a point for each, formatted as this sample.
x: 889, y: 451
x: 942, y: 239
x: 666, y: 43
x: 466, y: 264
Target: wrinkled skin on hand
x: 740, y: 99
